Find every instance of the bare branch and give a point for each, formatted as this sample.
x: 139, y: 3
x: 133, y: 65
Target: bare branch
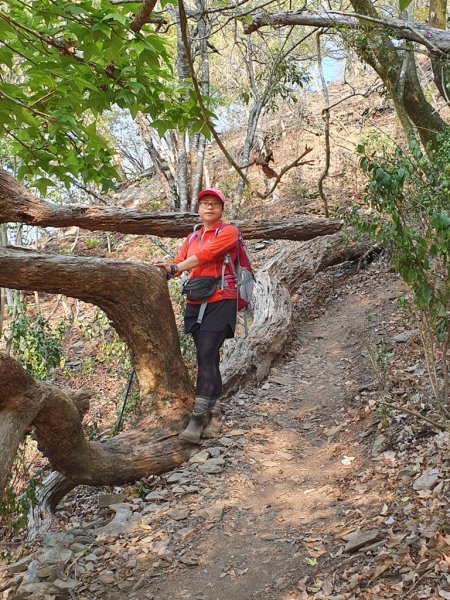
x: 144, y: 16
x: 18, y: 205
x: 298, y: 162
x: 435, y: 40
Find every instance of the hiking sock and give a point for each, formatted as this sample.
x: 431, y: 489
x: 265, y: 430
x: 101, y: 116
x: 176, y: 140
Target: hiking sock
x: 214, y: 426
x: 194, y: 430
x: 214, y: 403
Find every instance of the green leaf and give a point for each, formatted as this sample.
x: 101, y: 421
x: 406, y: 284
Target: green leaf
x: 313, y: 562
x: 6, y: 56
x: 42, y: 184
x: 115, y: 16
x: 403, y: 4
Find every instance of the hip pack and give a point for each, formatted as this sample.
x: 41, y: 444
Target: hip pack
x: 200, y: 288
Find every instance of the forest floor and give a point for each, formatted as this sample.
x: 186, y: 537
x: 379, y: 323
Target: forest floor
x: 313, y: 491
x: 316, y: 489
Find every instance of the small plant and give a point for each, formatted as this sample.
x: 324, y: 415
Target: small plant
x: 87, y: 366
x: 187, y: 345
x: 17, y: 500
x: 36, y: 345
x: 115, y: 350
x: 140, y: 490
x: 92, y: 243
x: 91, y: 430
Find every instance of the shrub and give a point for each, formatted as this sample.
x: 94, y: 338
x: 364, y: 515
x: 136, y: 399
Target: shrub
x: 408, y: 196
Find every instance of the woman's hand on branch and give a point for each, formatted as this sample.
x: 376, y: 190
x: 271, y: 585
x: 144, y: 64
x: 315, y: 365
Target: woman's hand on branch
x: 162, y: 264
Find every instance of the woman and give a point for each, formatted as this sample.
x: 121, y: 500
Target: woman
x: 203, y: 254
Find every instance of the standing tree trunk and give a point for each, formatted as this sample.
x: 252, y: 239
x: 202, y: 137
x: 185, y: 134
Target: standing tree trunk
x: 386, y: 60
x: 437, y: 17
x: 3, y: 242
x: 161, y: 164
x: 326, y: 120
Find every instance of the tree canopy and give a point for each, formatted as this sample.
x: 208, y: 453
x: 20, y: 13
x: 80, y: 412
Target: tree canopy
x: 63, y: 66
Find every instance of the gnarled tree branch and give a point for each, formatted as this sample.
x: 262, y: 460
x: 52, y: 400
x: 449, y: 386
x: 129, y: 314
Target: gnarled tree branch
x: 133, y: 295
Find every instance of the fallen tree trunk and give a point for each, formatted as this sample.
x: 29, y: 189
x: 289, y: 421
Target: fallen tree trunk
x: 136, y: 299
x: 249, y: 359
x: 18, y: 205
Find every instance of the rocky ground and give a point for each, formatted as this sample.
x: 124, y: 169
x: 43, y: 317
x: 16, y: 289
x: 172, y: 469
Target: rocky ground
x: 314, y: 490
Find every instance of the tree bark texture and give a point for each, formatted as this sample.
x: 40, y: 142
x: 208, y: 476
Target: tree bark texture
x: 159, y: 162
x: 437, y: 17
x: 249, y: 359
x: 387, y: 61
x: 133, y: 295
x: 57, y: 425
x: 18, y: 205
x: 434, y: 39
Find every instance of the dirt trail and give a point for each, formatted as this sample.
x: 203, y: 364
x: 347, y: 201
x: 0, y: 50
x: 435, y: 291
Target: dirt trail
x: 281, y: 491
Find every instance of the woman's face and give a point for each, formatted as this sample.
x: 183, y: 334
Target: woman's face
x: 210, y: 209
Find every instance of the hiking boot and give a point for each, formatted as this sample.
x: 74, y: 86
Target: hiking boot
x: 214, y: 426
x: 194, y: 430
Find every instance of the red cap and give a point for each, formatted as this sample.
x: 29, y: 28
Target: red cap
x: 213, y: 192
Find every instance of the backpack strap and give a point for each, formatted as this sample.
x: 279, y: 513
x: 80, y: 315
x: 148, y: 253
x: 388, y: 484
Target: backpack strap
x: 201, y: 312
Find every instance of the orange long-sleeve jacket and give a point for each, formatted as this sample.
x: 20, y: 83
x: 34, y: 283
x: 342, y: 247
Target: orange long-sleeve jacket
x: 210, y: 248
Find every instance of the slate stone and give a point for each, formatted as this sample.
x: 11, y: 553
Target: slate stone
x: 68, y: 584
x: 185, y: 533
x: 427, y: 481
x: 57, y: 539
x: 48, y: 572
x: 403, y: 337
x: 84, y: 539
x: 200, y: 457
x: 20, y: 566
x: 224, y: 441
x: 215, y: 451
x: 152, y: 507
x: 105, y: 500
x: 216, y: 461
x: 210, y: 468
x: 156, y: 495
x: 175, y: 477
x: 107, y: 578
x: 178, y: 514
x: 34, y: 590
x: 360, y: 539
x: 190, y: 560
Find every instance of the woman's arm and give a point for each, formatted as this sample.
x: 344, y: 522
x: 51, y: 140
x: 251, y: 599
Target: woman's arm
x: 177, y: 268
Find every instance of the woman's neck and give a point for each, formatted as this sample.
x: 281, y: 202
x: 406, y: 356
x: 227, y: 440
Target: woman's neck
x: 208, y: 226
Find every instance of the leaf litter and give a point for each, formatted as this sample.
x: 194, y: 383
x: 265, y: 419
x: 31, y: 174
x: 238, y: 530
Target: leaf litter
x: 376, y: 478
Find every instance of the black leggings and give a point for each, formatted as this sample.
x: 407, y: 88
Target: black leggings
x: 208, y: 344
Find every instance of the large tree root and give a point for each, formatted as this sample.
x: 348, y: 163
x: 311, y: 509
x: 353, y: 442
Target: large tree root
x: 55, y: 418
